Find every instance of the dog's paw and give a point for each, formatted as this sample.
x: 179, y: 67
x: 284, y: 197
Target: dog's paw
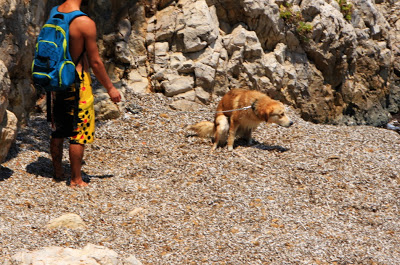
x: 214, y: 147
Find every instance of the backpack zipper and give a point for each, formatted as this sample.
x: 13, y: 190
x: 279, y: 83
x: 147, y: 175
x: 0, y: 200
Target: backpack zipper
x: 60, y: 29
x: 61, y: 69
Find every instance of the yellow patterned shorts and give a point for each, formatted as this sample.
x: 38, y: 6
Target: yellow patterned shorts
x: 85, y: 126
x: 80, y: 129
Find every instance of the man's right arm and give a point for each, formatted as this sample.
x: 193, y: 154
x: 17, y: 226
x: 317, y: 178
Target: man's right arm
x: 88, y: 29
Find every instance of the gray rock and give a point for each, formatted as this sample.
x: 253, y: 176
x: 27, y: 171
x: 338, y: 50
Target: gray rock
x: 185, y: 105
x: 201, y: 25
x: 4, y: 89
x: 178, y: 84
x: 8, y: 133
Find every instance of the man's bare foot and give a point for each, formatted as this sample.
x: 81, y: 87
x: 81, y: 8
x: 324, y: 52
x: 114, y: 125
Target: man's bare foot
x: 78, y: 184
x: 59, y: 175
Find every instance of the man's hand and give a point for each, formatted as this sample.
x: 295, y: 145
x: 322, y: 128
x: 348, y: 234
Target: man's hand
x: 114, y: 94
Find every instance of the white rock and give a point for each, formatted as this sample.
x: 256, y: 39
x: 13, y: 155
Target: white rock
x: 69, y: 220
x: 132, y: 260
x: 136, y: 211
x: 89, y: 255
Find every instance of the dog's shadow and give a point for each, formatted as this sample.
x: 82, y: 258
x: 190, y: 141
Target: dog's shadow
x: 255, y: 144
x: 43, y: 167
x: 258, y: 145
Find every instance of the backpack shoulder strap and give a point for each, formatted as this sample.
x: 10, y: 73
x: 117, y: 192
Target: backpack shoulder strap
x: 67, y: 17
x: 53, y: 11
x: 71, y: 16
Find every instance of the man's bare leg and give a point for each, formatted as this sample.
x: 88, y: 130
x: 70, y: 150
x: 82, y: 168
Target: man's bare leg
x: 76, y: 157
x: 56, y: 151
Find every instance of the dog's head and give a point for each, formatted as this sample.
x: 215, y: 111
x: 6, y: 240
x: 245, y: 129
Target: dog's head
x: 274, y: 112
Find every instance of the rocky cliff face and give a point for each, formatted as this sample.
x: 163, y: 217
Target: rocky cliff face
x: 336, y: 63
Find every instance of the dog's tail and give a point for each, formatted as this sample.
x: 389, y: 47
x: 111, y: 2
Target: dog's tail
x: 203, y: 129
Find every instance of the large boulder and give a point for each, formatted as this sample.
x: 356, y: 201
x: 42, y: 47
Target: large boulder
x: 20, y: 23
x: 89, y: 255
x: 8, y: 121
x: 4, y: 90
x: 8, y: 133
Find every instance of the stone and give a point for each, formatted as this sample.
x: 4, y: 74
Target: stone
x: 90, y: 255
x: 5, y: 84
x: 205, y: 76
x: 185, y: 105
x: 189, y: 95
x: 124, y: 29
x: 178, y: 84
x: 69, y: 221
x: 106, y: 109
x: 136, y: 211
x: 201, y: 25
x: 202, y: 96
x: 123, y: 53
x: 181, y: 63
x: 8, y: 133
x: 132, y: 260
x: 166, y: 23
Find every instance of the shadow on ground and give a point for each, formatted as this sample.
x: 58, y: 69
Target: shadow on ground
x: 5, y: 173
x: 35, y: 136
x: 261, y: 146
x: 43, y: 167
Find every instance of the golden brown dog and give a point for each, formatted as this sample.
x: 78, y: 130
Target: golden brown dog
x: 239, y: 112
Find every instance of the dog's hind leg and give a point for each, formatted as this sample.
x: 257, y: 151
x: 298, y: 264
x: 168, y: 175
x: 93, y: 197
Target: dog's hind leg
x: 231, y: 136
x: 221, y: 130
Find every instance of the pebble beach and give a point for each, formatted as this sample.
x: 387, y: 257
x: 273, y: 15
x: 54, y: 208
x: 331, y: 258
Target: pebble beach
x: 308, y: 194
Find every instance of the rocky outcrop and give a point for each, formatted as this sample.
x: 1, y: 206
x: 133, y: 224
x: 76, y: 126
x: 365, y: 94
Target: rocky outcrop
x: 337, y: 71
x: 334, y: 65
x: 19, y: 26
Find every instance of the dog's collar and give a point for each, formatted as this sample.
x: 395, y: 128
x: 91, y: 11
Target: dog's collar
x: 253, y: 106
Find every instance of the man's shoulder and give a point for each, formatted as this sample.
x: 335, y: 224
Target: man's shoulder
x: 83, y: 24
x: 83, y: 19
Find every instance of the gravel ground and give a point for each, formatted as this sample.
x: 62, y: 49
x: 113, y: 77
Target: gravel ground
x: 309, y: 194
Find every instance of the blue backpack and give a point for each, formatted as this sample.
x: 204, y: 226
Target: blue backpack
x: 52, y: 66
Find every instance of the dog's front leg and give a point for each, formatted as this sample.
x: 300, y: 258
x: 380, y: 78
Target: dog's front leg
x: 247, y: 135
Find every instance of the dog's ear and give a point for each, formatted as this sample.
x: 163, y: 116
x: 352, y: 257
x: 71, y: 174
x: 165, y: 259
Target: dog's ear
x: 268, y: 111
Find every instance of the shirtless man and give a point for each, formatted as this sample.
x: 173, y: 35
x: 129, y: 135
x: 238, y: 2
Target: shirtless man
x: 82, y: 40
